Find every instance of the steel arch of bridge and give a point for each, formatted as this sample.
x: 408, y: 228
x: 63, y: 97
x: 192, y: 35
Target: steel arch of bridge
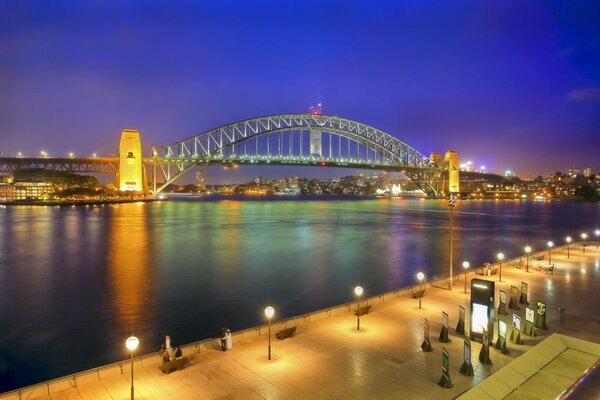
x: 286, y: 140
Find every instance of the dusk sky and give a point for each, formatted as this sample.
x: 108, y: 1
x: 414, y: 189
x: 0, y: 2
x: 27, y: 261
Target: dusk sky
x: 508, y: 84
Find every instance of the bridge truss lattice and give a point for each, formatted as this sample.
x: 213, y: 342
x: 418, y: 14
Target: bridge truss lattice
x: 294, y: 139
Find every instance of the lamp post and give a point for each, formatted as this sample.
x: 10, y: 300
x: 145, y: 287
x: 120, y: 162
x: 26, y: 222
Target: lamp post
x: 132, y: 343
x: 358, y: 291
x: 597, y: 233
x: 420, y: 277
x: 466, y: 267
x: 583, y: 238
x: 500, y: 257
x: 550, y: 244
x: 568, y: 239
x: 269, y: 312
x: 527, y: 251
x: 451, y: 204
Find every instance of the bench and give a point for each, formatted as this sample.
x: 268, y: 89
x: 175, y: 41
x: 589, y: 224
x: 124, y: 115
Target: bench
x: 363, y: 310
x: 289, y: 332
x: 540, y: 258
x: 171, y: 366
x: 418, y: 293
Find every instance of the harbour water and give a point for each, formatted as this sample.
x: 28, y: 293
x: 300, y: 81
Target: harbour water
x: 76, y: 281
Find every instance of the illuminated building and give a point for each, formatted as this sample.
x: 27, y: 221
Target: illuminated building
x: 32, y: 190
x: 587, y: 172
x: 574, y: 172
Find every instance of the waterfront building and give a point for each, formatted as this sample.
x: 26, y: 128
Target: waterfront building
x: 32, y: 190
x: 587, y: 172
x: 7, y: 191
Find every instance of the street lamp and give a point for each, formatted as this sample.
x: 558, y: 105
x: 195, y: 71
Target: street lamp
x: 71, y: 155
x: 358, y: 291
x: 583, y: 238
x: 500, y: 257
x: 132, y: 343
x: 420, y: 277
x: 550, y: 244
x: 269, y: 312
x: 451, y: 204
x: 597, y: 233
x: 568, y: 239
x: 466, y: 267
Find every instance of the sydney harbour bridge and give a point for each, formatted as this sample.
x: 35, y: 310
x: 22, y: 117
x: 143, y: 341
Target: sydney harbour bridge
x: 307, y: 139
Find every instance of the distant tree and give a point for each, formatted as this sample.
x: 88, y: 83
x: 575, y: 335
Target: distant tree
x: 587, y: 192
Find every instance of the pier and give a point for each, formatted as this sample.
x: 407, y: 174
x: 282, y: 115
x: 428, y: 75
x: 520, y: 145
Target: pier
x: 328, y: 358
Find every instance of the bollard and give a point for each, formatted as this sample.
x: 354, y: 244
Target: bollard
x: 561, y: 313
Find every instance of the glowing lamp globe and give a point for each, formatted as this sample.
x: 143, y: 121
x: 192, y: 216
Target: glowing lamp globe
x: 466, y: 264
x: 269, y: 312
x: 132, y: 343
x: 550, y: 244
x: 500, y: 256
x: 420, y: 276
x: 358, y: 291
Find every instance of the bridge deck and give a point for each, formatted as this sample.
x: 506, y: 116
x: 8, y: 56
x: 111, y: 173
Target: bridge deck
x: 329, y: 359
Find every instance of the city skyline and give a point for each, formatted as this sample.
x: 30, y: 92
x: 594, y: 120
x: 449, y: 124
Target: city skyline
x: 511, y: 88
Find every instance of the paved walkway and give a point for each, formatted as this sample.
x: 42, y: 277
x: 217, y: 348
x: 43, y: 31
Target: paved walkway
x: 329, y: 359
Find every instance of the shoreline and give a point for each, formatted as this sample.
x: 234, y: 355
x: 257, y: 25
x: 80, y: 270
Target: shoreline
x: 78, y: 203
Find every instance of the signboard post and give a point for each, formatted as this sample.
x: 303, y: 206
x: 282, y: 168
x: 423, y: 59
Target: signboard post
x: 514, y: 298
x: 445, y: 381
x: 502, y: 305
x: 467, y: 367
x: 515, y: 333
x: 482, y: 306
x: 524, y: 293
x: 460, y: 327
x: 501, y: 341
x: 484, y: 354
x: 540, y: 320
x: 426, y: 345
x: 444, y: 331
x: 528, y: 329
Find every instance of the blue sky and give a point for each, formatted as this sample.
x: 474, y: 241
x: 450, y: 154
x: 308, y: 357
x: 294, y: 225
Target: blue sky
x: 509, y: 84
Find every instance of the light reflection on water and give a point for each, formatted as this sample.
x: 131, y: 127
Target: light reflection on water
x: 75, y: 282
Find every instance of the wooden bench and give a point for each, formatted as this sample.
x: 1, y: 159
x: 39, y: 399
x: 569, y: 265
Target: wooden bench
x: 171, y: 366
x: 289, y: 332
x: 540, y: 258
x: 363, y: 310
x: 418, y: 293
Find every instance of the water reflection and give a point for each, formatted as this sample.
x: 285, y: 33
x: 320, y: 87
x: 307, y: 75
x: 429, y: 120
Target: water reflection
x: 130, y: 281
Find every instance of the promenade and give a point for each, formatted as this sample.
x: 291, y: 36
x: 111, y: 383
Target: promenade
x: 329, y: 359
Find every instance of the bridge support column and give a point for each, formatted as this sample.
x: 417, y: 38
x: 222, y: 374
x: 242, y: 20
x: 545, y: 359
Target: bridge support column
x: 131, y: 175
x: 451, y: 160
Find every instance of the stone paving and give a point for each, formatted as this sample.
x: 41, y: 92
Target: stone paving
x: 329, y: 359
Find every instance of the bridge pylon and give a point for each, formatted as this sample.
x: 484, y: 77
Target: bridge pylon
x: 131, y: 175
